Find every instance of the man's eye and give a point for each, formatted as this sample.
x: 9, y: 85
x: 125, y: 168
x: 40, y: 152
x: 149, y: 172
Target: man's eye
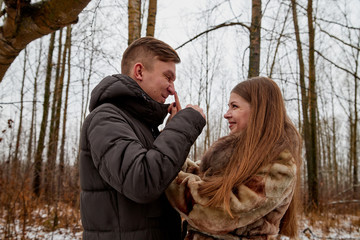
x: 167, y: 77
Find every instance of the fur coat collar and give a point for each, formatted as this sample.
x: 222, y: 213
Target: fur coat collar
x: 257, y: 206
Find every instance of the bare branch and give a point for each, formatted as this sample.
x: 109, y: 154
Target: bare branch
x: 225, y: 24
x: 337, y: 66
x: 338, y: 39
x: 337, y: 23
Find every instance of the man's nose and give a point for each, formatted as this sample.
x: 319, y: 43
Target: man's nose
x: 171, y: 89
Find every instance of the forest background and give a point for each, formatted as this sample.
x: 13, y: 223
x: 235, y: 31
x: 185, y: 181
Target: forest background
x: 52, y: 54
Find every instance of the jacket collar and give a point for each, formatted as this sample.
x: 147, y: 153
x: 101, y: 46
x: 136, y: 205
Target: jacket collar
x: 125, y: 93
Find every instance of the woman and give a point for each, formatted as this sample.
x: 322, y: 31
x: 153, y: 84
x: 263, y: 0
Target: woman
x: 246, y: 184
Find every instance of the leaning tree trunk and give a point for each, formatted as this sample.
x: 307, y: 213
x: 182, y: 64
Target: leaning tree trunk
x: 134, y: 11
x: 255, y: 35
x: 150, y: 28
x: 26, y: 22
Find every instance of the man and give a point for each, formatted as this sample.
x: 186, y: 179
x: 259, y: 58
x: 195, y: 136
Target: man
x: 126, y: 163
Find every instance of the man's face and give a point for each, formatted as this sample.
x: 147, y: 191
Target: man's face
x: 158, y: 82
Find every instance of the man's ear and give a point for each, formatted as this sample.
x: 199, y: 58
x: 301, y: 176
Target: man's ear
x: 138, y: 71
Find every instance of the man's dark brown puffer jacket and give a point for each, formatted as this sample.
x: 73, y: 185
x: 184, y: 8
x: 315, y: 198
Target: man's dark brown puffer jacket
x: 126, y: 164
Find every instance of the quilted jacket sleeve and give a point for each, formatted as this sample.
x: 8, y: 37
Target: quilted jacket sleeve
x: 140, y: 174
x: 265, y: 192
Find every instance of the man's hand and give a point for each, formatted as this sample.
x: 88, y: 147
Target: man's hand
x: 197, y: 108
x: 174, y: 108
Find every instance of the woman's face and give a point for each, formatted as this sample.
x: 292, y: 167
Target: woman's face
x: 238, y: 113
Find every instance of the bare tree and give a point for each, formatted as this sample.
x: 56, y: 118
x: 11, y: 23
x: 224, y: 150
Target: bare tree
x: 150, y: 28
x: 354, y: 128
x: 312, y: 160
x: 40, y: 147
x: 54, y: 128
x: 62, y: 146
x: 33, y: 112
x: 255, y: 37
x: 20, y: 128
x: 134, y: 13
x: 307, y: 99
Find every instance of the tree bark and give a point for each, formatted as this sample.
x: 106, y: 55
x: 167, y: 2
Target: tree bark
x: 33, y: 113
x: 62, y: 146
x: 134, y: 11
x: 354, y: 140
x: 312, y: 177
x: 313, y: 159
x: 255, y: 36
x: 18, y: 137
x: 53, y: 130
x: 28, y: 22
x: 150, y: 29
x: 40, y: 147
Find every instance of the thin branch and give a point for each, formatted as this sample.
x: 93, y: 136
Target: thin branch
x: 3, y: 103
x: 225, y: 24
x: 338, y: 39
x: 337, y: 66
x: 337, y: 23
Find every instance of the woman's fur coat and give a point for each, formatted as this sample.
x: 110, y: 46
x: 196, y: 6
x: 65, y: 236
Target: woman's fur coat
x: 257, y: 207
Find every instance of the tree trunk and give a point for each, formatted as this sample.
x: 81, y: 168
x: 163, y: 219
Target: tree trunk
x: 33, y: 113
x: 255, y: 36
x: 53, y: 130
x: 40, y: 147
x: 312, y: 177
x: 62, y: 146
x: 54, y: 134
x: 313, y: 160
x: 354, y: 140
x: 150, y: 29
x: 333, y: 142
x: 134, y: 11
x: 207, y: 94
x: 18, y: 138
x: 37, y: 20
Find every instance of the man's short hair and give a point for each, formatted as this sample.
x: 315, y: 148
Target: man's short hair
x: 145, y: 50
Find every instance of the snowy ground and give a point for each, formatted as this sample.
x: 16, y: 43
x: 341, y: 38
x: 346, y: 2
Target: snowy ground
x: 346, y: 231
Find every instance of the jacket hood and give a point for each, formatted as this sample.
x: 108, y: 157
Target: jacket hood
x: 125, y: 93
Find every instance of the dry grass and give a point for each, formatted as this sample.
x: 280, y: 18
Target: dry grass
x: 24, y: 216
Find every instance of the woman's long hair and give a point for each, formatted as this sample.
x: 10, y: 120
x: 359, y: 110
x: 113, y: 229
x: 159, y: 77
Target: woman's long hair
x: 268, y: 133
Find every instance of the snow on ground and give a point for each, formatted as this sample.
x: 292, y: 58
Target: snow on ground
x: 347, y: 231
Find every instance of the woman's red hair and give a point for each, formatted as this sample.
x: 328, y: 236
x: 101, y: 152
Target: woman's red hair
x: 269, y: 132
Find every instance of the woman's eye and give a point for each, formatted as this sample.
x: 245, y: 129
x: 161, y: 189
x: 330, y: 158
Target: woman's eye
x: 234, y: 106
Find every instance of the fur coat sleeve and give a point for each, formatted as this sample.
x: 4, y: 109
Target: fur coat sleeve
x: 257, y: 207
